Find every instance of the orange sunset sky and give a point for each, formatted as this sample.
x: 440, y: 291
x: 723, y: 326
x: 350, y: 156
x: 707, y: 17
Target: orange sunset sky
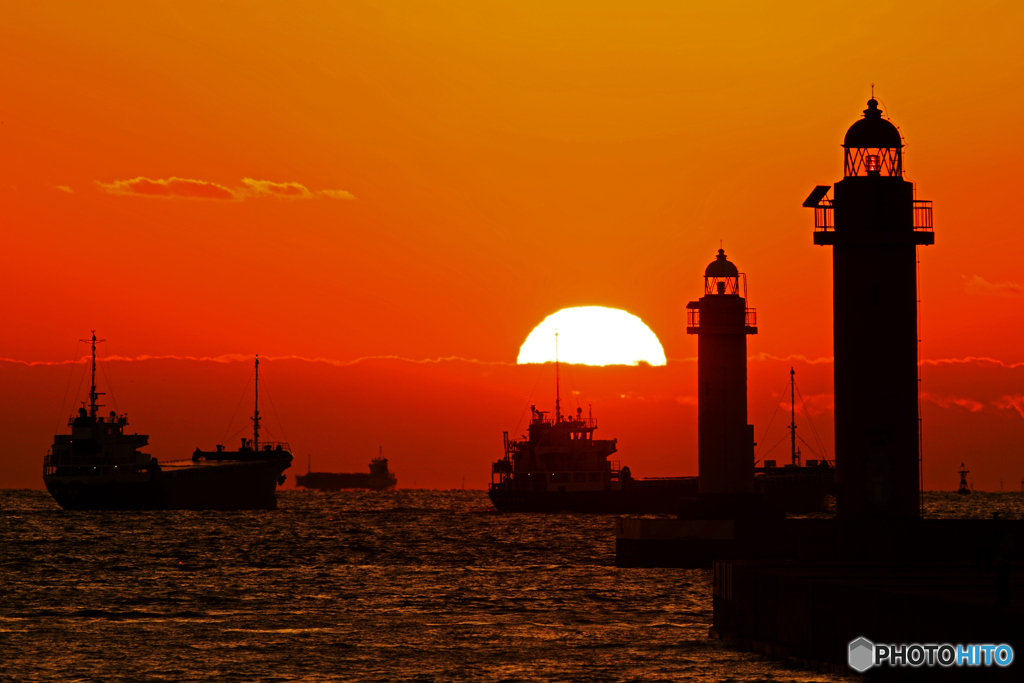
x: 383, y: 200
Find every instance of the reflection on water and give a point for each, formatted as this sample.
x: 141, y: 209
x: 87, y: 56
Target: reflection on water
x: 399, y: 585
x: 978, y: 505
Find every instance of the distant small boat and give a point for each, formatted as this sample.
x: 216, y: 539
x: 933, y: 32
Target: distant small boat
x: 379, y: 478
x: 964, y: 489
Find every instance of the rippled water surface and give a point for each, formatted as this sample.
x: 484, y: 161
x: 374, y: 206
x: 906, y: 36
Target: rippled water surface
x: 406, y: 585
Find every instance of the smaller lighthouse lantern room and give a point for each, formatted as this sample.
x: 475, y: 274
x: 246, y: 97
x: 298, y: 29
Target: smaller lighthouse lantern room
x: 722, y: 321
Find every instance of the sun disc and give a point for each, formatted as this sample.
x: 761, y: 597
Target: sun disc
x: 593, y: 335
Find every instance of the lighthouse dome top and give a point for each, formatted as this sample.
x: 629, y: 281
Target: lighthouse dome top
x: 873, y: 130
x: 721, y: 267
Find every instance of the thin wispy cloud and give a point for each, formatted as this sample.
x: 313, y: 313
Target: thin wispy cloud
x: 950, y: 401
x: 337, y: 194
x: 190, y: 188
x: 65, y: 188
x: 1016, y: 402
x: 975, y: 284
x: 185, y: 188
x: 240, y: 357
x: 269, y: 188
x: 290, y: 190
x: 236, y: 357
x: 971, y: 360
x: 812, y: 404
x: 967, y: 360
x: 792, y: 357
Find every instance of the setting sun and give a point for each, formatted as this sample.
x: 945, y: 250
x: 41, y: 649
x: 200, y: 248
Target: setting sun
x: 593, y: 335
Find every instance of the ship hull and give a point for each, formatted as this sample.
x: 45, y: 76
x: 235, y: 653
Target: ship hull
x: 225, y: 486
x: 640, y: 497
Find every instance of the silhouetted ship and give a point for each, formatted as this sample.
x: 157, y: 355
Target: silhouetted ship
x: 379, y: 478
x: 798, y: 487
x: 99, y: 467
x: 560, y: 466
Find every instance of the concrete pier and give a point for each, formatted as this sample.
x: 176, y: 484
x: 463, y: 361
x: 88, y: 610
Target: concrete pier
x: 803, y: 589
x: 809, y: 612
x: 695, y: 543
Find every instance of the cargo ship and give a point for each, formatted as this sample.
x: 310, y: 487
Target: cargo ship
x: 799, y: 487
x: 379, y: 478
x: 100, y: 467
x: 560, y: 466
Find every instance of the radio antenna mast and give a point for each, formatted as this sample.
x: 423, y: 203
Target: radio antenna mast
x: 93, y: 394
x: 256, y: 413
x: 558, y: 404
x: 794, y: 453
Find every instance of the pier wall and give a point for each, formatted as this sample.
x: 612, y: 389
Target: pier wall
x: 808, y: 612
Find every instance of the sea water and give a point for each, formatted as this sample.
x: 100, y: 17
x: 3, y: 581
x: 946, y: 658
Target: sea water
x: 401, y: 585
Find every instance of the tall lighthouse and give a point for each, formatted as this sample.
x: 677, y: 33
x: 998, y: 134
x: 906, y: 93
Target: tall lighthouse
x: 874, y: 224
x: 722, y: 321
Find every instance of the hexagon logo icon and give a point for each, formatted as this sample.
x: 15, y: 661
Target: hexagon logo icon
x: 862, y: 655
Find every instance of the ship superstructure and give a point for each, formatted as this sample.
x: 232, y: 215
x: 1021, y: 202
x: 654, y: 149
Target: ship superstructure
x: 97, y: 447
x: 100, y: 467
x: 559, y: 455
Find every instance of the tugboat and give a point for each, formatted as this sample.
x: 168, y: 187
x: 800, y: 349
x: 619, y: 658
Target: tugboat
x: 964, y: 489
x: 798, y: 487
x: 100, y: 467
x: 560, y: 466
x: 380, y: 478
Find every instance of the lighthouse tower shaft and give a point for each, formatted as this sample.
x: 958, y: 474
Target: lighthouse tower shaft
x: 874, y: 226
x: 722, y: 321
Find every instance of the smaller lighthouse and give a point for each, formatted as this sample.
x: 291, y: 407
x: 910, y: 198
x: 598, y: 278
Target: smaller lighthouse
x: 722, y: 321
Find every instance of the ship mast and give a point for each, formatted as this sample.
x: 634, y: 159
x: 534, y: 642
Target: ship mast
x: 794, y: 455
x: 93, y: 394
x: 558, y: 404
x: 256, y: 413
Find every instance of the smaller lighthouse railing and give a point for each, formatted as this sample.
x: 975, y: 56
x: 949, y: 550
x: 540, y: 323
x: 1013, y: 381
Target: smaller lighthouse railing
x: 693, y: 317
